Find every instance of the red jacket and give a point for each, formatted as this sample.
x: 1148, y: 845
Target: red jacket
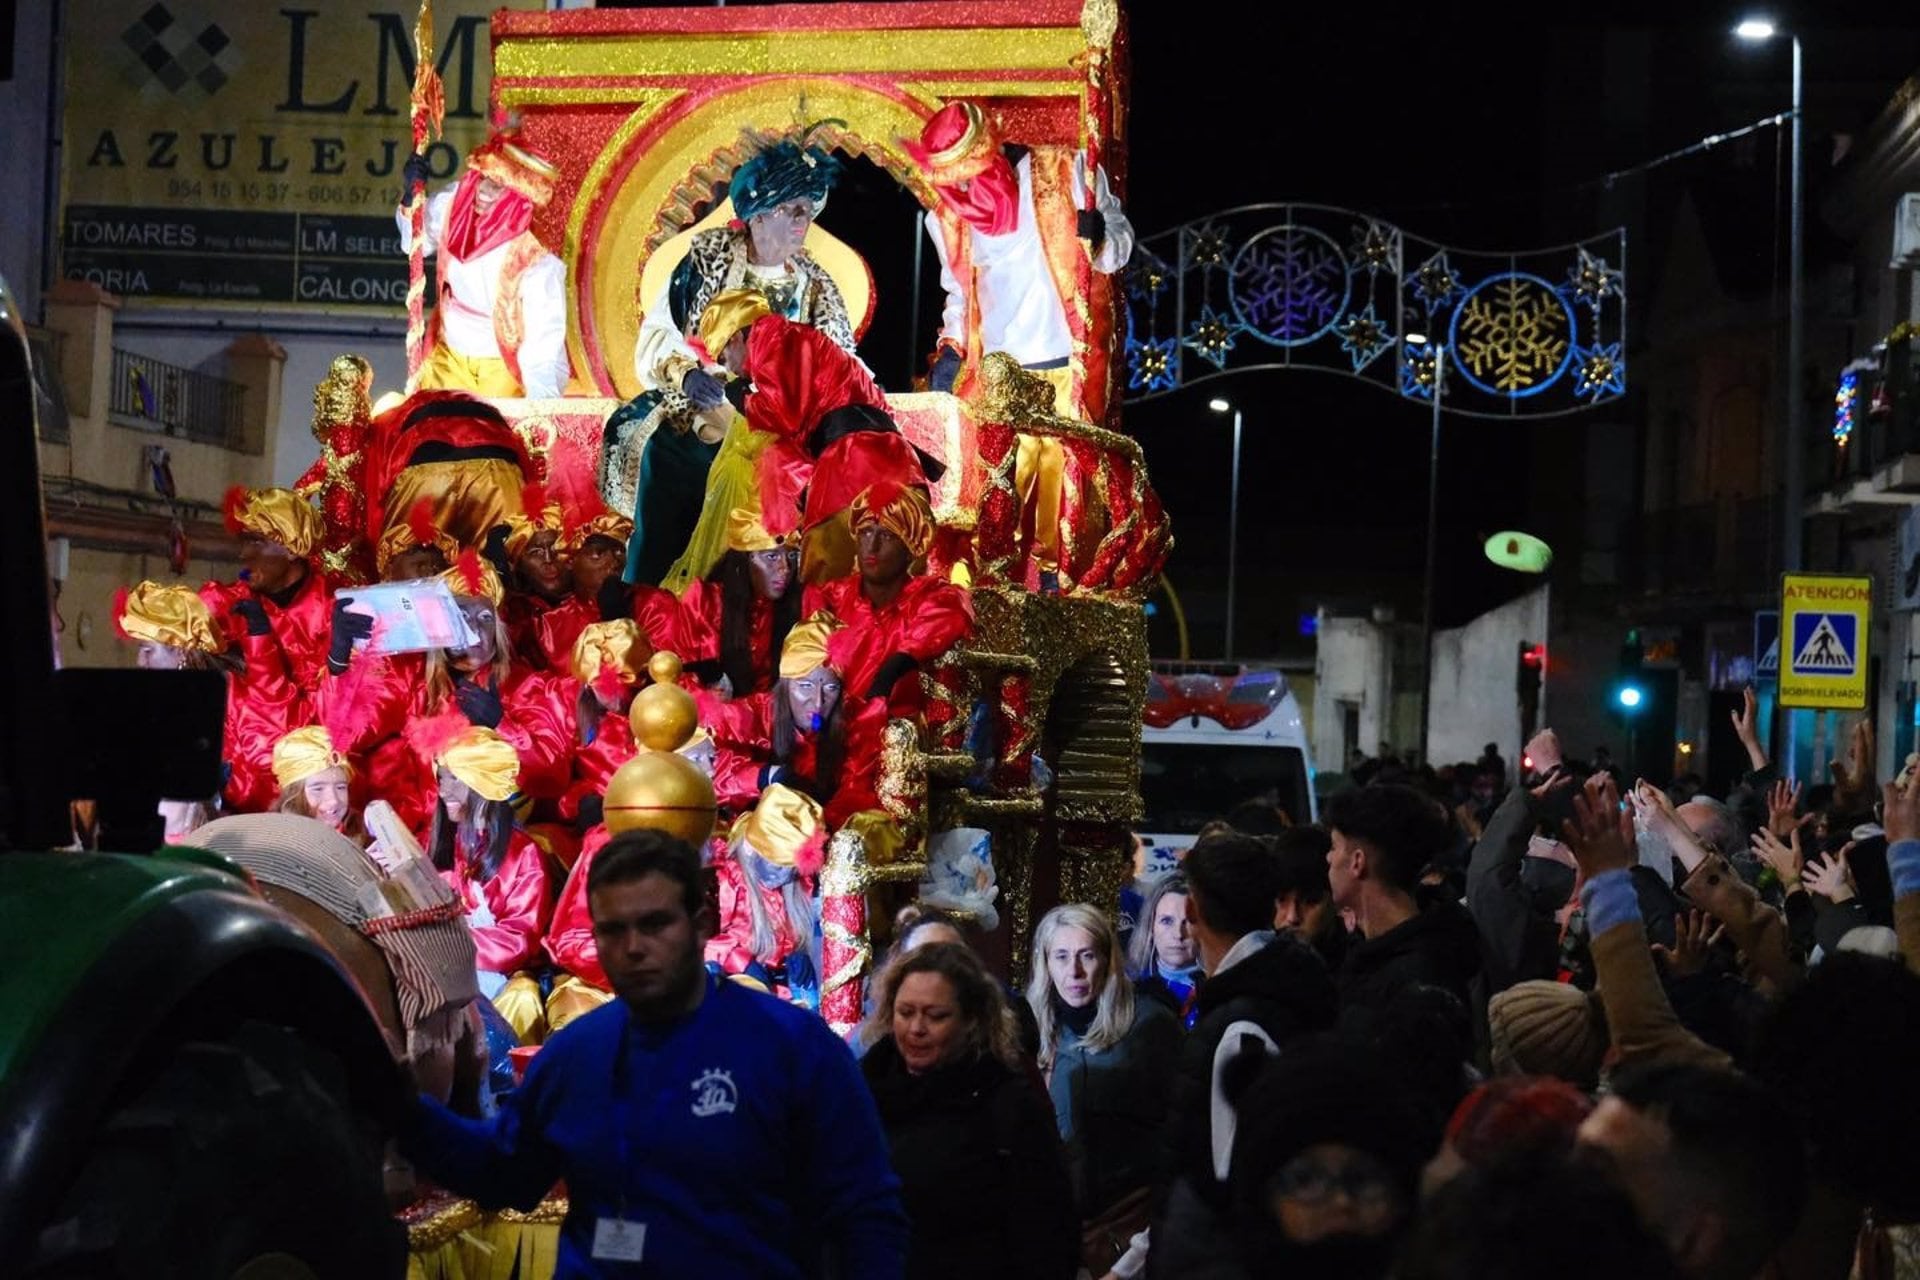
x: 570, y: 939
x: 732, y: 946
x: 742, y: 731
x: 926, y: 619
x: 702, y: 617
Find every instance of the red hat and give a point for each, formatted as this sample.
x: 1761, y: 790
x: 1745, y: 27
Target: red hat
x: 958, y: 142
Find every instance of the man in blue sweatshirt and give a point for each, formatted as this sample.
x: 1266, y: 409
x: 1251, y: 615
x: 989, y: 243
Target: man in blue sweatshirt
x: 703, y: 1129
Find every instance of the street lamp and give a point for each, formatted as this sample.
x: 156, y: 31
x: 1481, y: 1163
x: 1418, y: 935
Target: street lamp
x: 1793, y: 459
x: 1219, y: 405
x: 1433, y: 535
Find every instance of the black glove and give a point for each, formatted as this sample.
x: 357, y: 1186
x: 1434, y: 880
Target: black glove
x: 945, y: 371
x: 889, y: 674
x: 613, y: 600
x: 479, y: 704
x: 254, y: 614
x: 413, y: 175
x: 738, y: 389
x: 348, y: 627
x: 705, y: 390
x: 1091, y: 226
x: 593, y: 810
x: 800, y: 972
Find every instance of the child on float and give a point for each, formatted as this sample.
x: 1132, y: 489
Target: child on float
x: 768, y: 915
x: 316, y: 782
x: 497, y: 870
x: 735, y: 620
x: 368, y: 700
x: 609, y: 663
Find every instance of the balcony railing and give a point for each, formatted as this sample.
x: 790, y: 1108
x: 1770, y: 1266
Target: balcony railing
x: 152, y: 395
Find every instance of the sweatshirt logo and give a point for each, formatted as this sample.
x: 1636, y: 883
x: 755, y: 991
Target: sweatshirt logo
x: 713, y: 1093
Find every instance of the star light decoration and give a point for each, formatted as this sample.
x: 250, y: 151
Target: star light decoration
x: 1363, y: 337
x: 1436, y: 283
x: 1592, y: 280
x: 1211, y: 337
x: 1205, y: 246
x: 1599, y: 371
x: 1419, y: 365
x: 1150, y: 364
x: 1376, y: 248
x: 1148, y: 277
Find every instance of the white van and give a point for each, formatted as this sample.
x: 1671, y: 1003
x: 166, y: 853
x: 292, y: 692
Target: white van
x: 1215, y: 736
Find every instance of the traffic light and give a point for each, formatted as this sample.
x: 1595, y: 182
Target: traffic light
x: 1629, y: 682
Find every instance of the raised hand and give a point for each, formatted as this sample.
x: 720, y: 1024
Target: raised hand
x: 1600, y: 832
x: 1783, y: 803
x: 1831, y: 877
x: 1544, y: 750
x: 1784, y: 857
x: 1694, y: 936
x: 1900, y: 809
x: 1746, y: 724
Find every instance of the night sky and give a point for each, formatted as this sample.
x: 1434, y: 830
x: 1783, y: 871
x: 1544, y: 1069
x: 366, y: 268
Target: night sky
x: 1473, y: 134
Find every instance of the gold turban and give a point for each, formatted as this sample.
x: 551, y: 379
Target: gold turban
x: 909, y: 517
x: 514, y: 167
x: 484, y: 761
x: 303, y: 754
x: 604, y: 525
x: 618, y: 645
x: 806, y: 645
x: 277, y: 515
x: 785, y: 828
x: 401, y: 538
x: 475, y: 578
x: 730, y: 311
x: 173, y: 616
x: 523, y: 529
x: 746, y: 531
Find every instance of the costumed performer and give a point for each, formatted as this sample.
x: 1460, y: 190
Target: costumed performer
x: 663, y: 482
x: 317, y: 782
x: 1016, y: 238
x: 283, y: 599
x: 368, y: 700
x: 454, y: 451
x: 769, y: 920
x: 898, y: 617
x: 525, y: 551
x: 178, y: 629
x: 776, y: 196
x: 414, y: 550
x: 735, y: 620
x: 500, y: 325
x: 495, y: 867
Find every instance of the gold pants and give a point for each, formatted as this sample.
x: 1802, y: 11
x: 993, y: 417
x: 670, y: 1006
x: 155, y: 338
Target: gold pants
x: 468, y: 497
x: 1039, y: 474
x: 570, y: 998
x: 519, y: 1003
x: 447, y: 370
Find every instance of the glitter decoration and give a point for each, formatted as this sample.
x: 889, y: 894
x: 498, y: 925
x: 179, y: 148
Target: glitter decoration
x: 1290, y: 285
x: 1376, y: 248
x: 1363, y: 337
x: 1211, y: 337
x: 1512, y: 335
x: 1599, y: 372
x: 1592, y: 280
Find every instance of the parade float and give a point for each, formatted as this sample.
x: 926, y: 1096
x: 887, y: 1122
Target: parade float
x: 1029, y: 745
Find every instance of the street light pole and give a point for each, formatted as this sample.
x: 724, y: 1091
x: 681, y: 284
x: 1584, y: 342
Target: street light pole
x: 1433, y: 551
x: 1793, y: 479
x: 1233, y: 521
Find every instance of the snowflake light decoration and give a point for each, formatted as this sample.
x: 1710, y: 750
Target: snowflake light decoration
x: 1599, y: 371
x: 1436, y: 284
x: 1290, y: 285
x: 1363, y: 337
x: 1205, y: 247
x: 1150, y: 364
x: 1376, y: 248
x: 1592, y: 280
x: 1512, y: 336
x: 1211, y: 337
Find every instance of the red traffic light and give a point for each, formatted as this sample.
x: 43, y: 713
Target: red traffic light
x: 1534, y: 657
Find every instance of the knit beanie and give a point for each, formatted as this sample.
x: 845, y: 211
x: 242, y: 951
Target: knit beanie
x: 1547, y: 1028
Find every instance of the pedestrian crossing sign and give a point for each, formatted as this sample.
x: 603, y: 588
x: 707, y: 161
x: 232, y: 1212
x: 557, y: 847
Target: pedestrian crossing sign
x: 1824, y: 621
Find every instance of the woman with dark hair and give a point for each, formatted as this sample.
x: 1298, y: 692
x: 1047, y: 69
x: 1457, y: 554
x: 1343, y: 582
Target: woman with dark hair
x: 981, y: 1170
x: 735, y: 619
x: 495, y: 867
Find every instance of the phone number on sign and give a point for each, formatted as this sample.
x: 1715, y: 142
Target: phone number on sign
x: 318, y: 193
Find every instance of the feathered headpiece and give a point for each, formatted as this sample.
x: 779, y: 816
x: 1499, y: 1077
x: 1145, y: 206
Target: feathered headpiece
x: 786, y: 170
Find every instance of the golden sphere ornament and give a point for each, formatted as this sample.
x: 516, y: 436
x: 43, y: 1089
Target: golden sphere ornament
x: 660, y: 791
x: 664, y: 716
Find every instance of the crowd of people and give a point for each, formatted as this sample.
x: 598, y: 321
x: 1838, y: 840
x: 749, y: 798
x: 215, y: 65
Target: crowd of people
x: 1616, y: 1048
